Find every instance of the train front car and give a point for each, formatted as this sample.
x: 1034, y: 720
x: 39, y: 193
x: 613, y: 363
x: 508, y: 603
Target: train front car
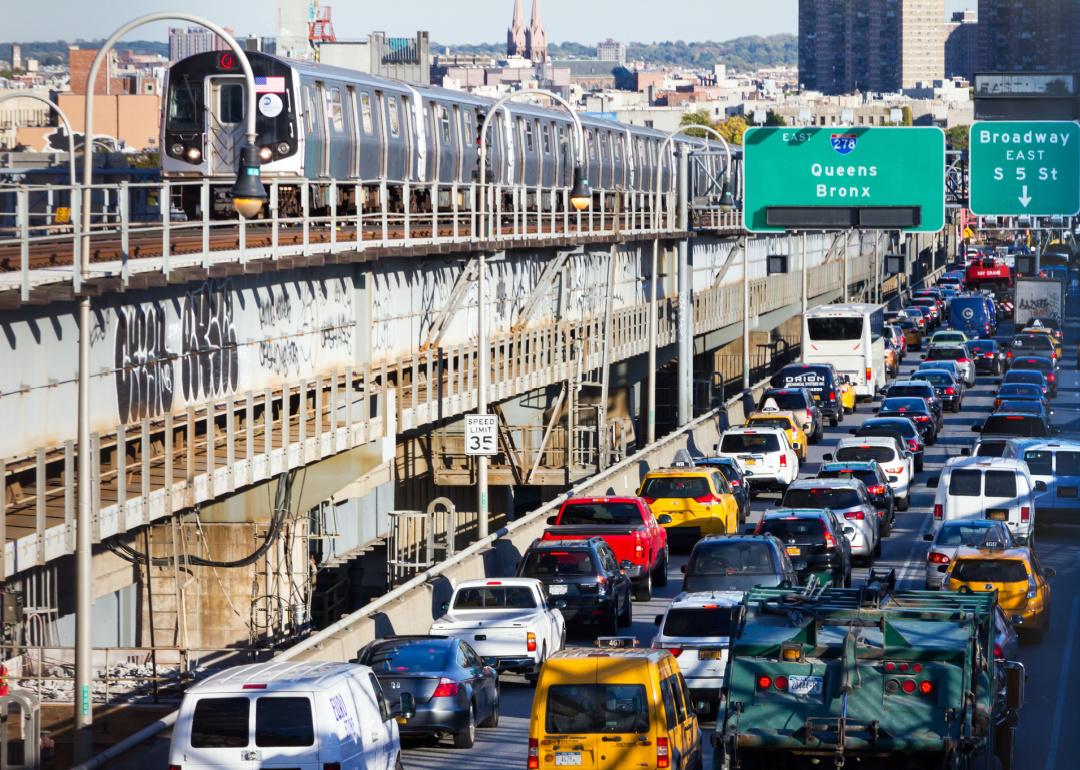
x: 204, y: 127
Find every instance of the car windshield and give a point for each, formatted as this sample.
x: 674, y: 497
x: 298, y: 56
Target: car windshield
x: 795, y: 529
x: 869, y: 478
x: 821, y: 497
x: 916, y: 391
x: 1025, y: 425
x: 1033, y: 364
x: 734, y: 443
x: 903, y: 404
x: 600, y: 513
x: 494, y: 597
x: 675, y: 486
x: 544, y: 563
x: 1029, y: 406
x: 971, y: 535
x: 407, y: 657
x: 904, y: 427
x: 946, y: 354
x: 990, y: 571
x: 937, y: 379
x: 584, y: 709
x: 732, y: 558
x: 771, y: 422
x: 787, y: 401
x: 698, y: 622
x: 992, y: 448
x: 882, y: 454
x: 1029, y: 376
x: 1032, y: 342
x: 982, y: 346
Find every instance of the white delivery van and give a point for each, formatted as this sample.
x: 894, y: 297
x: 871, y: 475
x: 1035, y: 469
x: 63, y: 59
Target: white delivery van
x: 301, y: 716
x: 995, y: 488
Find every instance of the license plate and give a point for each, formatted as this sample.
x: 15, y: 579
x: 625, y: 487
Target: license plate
x: 558, y: 590
x: 817, y: 398
x: 1066, y: 491
x: 710, y: 654
x: 997, y: 514
x: 794, y: 550
x: 402, y: 720
x: 568, y: 758
x: 806, y: 686
x: 750, y: 461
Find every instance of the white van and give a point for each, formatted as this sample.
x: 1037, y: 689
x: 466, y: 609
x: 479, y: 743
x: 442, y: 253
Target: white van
x: 995, y: 488
x: 1056, y: 463
x: 301, y: 716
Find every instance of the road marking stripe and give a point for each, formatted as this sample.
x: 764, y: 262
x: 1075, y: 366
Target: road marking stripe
x: 1063, y: 687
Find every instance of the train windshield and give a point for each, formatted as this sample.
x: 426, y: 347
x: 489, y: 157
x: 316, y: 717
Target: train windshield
x: 185, y: 104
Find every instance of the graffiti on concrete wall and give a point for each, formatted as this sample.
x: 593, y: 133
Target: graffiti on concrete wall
x: 209, y: 361
x: 144, y: 366
x: 303, y: 324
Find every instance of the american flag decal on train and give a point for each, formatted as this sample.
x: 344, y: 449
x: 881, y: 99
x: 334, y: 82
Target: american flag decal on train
x: 271, y: 85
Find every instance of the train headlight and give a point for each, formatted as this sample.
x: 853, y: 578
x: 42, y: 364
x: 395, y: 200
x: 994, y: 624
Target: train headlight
x: 176, y: 150
x: 283, y: 148
x: 194, y: 154
x: 266, y: 154
x: 248, y: 194
x: 580, y: 194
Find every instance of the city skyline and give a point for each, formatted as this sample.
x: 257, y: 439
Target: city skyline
x: 485, y: 21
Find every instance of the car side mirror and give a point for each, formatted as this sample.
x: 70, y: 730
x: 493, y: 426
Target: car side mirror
x: 976, y: 428
x: 407, y: 705
x: 1050, y: 572
x: 828, y: 457
x: 928, y: 537
x: 849, y: 530
x: 663, y: 519
x: 626, y: 564
x: 657, y: 620
x: 1040, y: 486
x: 933, y: 482
x: 489, y: 661
x: 551, y: 520
x: 923, y: 356
x: 682, y: 569
x: 716, y: 447
x: 444, y: 606
x: 796, y: 446
x: 1017, y: 620
x: 748, y: 529
x: 965, y: 452
x: 893, y: 479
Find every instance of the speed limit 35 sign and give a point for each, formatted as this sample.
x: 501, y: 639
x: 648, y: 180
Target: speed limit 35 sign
x: 481, y: 435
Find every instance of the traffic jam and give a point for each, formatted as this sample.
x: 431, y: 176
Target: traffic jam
x: 854, y: 576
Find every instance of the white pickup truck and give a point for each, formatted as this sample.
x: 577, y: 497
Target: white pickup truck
x: 506, y: 620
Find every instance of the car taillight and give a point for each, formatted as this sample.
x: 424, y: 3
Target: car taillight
x: 926, y: 687
x: 809, y: 415
x: 707, y: 499
x: 1025, y: 514
x: 735, y: 483
x: 997, y: 402
x: 530, y: 642
x: 855, y: 515
x: 988, y: 355
x: 963, y: 360
x: 783, y: 461
x: 1051, y: 377
x: 764, y: 682
x: 663, y: 757
x: 446, y: 689
x: 175, y: 767
x: 913, y: 445
x: 649, y: 500
x: 877, y: 489
x: 780, y: 683
x: 998, y: 652
x: 1008, y: 354
x: 534, y: 754
x: 675, y: 651
x: 938, y: 558
x: 950, y: 391
x: 908, y: 686
x: 832, y: 395
x: 869, y: 374
x: 830, y: 541
x: 939, y: 511
x: 921, y: 418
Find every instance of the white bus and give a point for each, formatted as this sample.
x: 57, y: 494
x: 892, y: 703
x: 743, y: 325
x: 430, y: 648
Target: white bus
x: 851, y: 338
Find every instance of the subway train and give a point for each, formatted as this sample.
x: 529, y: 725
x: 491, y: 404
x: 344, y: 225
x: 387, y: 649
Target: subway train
x: 317, y: 122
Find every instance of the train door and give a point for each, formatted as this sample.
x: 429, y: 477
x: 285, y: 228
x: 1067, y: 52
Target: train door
x: 315, y: 149
x: 371, y: 139
x: 413, y: 143
x: 444, y: 132
x: 431, y: 124
x: 225, y: 129
x: 397, y: 164
x: 547, y: 155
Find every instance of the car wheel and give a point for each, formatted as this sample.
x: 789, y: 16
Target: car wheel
x: 611, y: 625
x: 643, y: 588
x: 886, y: 527
x: 660, y: 576
x: 397, y: 763
x: 627, y: 616
x: 847, y: 579
x: 877, y: 549
x: 467, y: 737
x: 493, y: 718
x: 918, y: 466
x: 834, y: 421
x: 903, y: 503
x: 956, y: 407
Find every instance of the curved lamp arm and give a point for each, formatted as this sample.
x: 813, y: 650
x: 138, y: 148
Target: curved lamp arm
x: 63, y: 121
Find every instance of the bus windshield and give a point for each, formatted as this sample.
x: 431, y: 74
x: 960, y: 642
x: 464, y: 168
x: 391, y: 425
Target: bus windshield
x: 835, y: 329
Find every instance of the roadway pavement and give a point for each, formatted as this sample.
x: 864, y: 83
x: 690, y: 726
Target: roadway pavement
x: 1049, y: 732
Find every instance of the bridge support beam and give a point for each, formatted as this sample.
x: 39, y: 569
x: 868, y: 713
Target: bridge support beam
x: 685, y: 387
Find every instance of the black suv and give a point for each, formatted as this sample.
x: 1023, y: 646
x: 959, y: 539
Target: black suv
x: 876, y: 481
x: 920, y: 389
x: 801, y: 402
x: 820, y: 380
x: 815, y: 541
x: 949, y: 390
x: 1043, y: 364
x: 737, y: 563
x: 916, y: 410
x: 583, y: 579
x: 989, y: 357
x: 1015, y: 425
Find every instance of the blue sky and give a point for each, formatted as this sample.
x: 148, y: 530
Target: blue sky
x: 450, y: 21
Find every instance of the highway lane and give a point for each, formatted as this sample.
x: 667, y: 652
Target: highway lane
x: 1048, y: 738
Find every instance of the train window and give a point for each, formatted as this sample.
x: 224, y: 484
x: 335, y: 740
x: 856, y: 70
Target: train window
x: 335, y: 118
x: 444, y: 123
x: 392, y: 107
x: 467, y: 119
x: 309, y: 109
x: 365, y: 111
x: 530, y: 141
x: 231, y: 103
x: 547, y: 139
x: 185, y: 105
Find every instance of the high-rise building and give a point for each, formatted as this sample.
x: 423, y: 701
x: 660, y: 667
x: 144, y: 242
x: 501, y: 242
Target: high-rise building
x: 515, y: 36
x: 962, y: 45
x: 16, y: 57
x: 1029, y: 36
x: 611, y: 50
x: 536, y: 47
x: 193, y: 40
x: 870, y: 45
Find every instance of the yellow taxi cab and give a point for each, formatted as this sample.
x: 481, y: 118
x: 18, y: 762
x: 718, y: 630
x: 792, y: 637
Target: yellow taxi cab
x: 1049, y: 333
x: 912, y: 335
x: 693, y: 501
x: 785, y: 420
x: 1017, y: 576
x: 612, y: 708
x: 847, y: 393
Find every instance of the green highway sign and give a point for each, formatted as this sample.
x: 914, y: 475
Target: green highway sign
x: 1027, y: 167
x: 843, y: 177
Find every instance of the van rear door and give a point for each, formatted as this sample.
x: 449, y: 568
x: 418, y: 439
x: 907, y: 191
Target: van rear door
x: 573, y: 719
x: 965, y: 499
x: 285, y: 734
x: 1006, y: 498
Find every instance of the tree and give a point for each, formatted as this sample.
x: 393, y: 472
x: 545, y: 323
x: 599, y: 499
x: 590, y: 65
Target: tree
x: 697, y: 118
x: 957, y: 137
x: 774, y: 119
x: 907, y: 118
x: 733, y: 129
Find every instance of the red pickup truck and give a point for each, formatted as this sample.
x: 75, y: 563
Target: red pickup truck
x: 624, y: 523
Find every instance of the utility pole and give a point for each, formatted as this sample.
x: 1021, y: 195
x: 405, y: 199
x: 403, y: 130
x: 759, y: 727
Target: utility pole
x: 481, y: 395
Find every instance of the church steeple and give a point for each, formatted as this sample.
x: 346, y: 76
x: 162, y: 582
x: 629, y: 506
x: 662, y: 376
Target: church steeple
x: 536, y: 38
x: 515, y: 36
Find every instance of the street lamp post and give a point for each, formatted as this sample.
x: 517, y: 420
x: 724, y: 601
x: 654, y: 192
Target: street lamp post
x: 580, y: 199
x: 247, y: 190
x: 650, y: 396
